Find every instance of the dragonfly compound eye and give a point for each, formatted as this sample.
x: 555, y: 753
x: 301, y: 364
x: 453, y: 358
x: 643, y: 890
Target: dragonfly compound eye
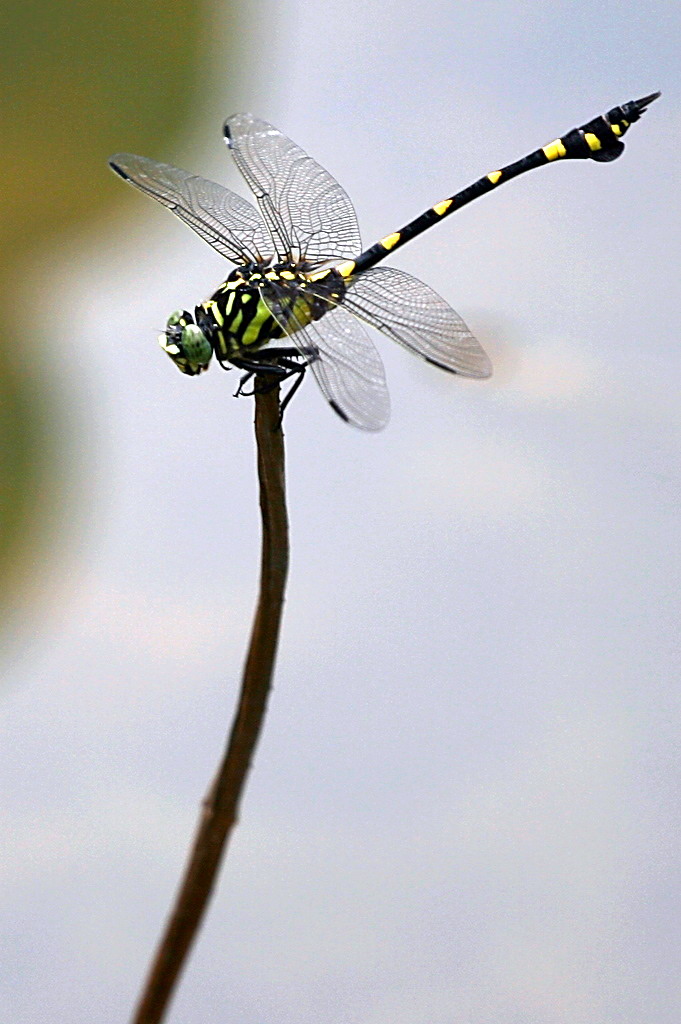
x: 186, y: 344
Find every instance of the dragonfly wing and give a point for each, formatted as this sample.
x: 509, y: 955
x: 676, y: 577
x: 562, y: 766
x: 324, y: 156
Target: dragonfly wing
x: 411, y: 313
x: 226, y: 221
x: 342, y: 358
x: 308, y: 214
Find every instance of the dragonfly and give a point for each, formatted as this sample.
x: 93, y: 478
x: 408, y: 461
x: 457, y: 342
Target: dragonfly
x: 302, y: 289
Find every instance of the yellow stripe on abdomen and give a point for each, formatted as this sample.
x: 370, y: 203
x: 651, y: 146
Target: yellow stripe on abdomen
x: 390, y: 241
x: 345, y: 270
x: 592, y: 141
x: 555, y: 150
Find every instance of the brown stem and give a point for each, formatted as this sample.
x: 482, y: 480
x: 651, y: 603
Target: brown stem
x: 221, y: 804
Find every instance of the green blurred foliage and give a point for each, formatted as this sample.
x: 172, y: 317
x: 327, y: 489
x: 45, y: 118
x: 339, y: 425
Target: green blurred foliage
x: 78, y: 81
x: 74, y: 75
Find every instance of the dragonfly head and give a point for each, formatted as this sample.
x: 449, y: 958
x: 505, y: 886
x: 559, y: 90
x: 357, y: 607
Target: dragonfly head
x: 185, y: 343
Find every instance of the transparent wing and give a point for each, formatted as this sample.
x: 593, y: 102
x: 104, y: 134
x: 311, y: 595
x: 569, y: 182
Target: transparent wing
x: 411, y: 313
x: 345, y: 363
x: 306, y: 211
x: 226, y: 221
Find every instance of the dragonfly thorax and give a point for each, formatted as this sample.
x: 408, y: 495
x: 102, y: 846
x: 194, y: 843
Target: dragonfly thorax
x: 258, y: 303
x: 262, y: 303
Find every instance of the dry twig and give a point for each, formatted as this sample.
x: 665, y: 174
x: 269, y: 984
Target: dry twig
x: 220, y: 807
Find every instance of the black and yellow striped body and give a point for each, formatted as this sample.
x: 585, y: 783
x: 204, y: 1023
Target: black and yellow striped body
x: 298, y: 260
x: 599, y: 140
x: 237, y: 320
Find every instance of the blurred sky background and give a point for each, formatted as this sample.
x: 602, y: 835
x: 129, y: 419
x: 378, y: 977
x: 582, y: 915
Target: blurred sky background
x: 465, y: 805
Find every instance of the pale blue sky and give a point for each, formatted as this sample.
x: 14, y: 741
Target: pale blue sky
x: 464, y: 809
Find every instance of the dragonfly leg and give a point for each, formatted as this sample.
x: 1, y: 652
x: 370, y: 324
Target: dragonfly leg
x: 254, y: 369
x: 291, y: 392
x: 240, y: 393
x: 267, y: 375
x: 278, y: 366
